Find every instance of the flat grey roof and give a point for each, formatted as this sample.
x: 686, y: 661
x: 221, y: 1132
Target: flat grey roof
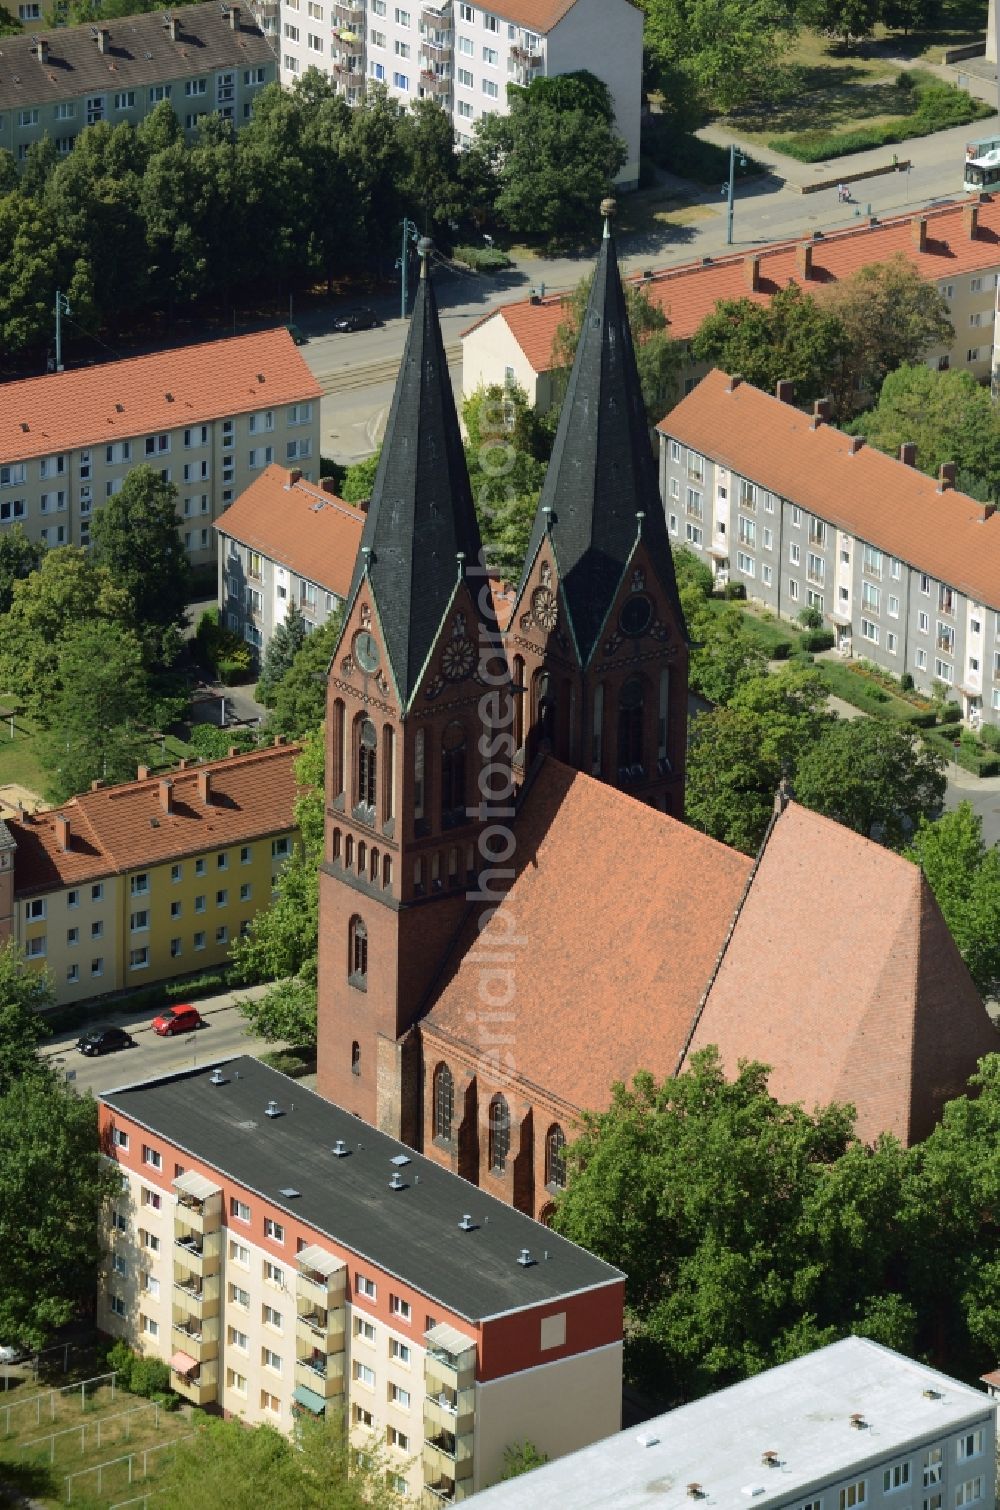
x: 411, y: 1233
x: 140, y: 52
x: 801, y: 1411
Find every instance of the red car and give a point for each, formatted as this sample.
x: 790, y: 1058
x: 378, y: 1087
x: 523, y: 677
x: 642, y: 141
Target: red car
x: 177, y: 1020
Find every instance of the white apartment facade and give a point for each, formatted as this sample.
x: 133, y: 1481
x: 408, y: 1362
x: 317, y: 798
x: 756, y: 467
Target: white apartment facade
x: 464, y: 55
x: 284, y: 1257
x: 208, y: 418
x: 852, y: 1426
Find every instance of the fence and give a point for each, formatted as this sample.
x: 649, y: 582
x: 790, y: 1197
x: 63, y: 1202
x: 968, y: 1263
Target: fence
x: 95, y: 1430
x: 130, y: 1458
x: 50, y: 1396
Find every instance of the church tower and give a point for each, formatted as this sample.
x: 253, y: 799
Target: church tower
x: 597, y: 641
x: 415, y: 699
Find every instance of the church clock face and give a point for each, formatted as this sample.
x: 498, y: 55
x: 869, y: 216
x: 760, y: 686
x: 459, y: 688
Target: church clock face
x: 636, y: 615
x: 366, y: 651
x: 544, y: 608
x: 458, y: 659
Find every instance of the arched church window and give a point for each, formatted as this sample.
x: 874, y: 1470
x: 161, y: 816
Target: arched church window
x: 355, y: 1058
x: 357, y: 963
x: 367, y: 769
x: 453, y: 798
x: 631, y: 709
x: 555, y: 1156
x: 444, y: 1103
x: 517, y: 693
x: 499, y: 1135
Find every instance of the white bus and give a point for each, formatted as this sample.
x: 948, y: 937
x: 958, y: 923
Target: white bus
x: 982, y: 164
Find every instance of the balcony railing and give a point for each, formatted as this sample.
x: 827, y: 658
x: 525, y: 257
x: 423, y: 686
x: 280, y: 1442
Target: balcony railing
x: 347, y: 14
x: 435, y: 83
x: 945, y: 645
x: 323, y: 1375
x: 817, y: 578
x: 695, y: 474
x: 530, y: 57
x: 348, y: 71
x: 438, y: 48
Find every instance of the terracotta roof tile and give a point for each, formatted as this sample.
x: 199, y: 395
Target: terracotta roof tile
x: 312, y: 532
x: 90, y: 405
x: 536, y: 15
x: 876, y: 497
x: 118, y: 828
x: 619, y: 914
x: 842, y: 975
x: 687, y: 293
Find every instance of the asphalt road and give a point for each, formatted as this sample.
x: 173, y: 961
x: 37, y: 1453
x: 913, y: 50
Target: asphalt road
x: 223, y: 1036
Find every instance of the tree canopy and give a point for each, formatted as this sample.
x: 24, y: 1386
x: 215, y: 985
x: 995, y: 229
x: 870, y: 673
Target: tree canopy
x: 725, y: 50
x: 947, y: 416
x: 873, y: 776
x: 134, y: 535
x: 283, y: 646
x: 659, y: 358
x: 300, y: 698
x: 506, y: 449
x: 793, y: 337
x: 964, y: 875
x: 24, y: 995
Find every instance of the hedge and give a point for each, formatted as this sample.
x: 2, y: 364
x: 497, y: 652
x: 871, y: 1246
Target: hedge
x: 968, y: 757
x: 939, y: 106
x: 148, y: 999
x: 483, y: 259
x: 818, y: 639
x: 688, y: 156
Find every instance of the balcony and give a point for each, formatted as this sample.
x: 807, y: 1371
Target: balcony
x: 449, y: 1411
x: 748, y: 502
x: 437, y: 49
x: 199, y: 1384
x: 695, y: 474
x: 321, y: 1328
x: 347, y: 14
x: 445, y: 1491
x: 198, y: 1338
x: 348, y: 71
x: 320, y: 1280
x: 946, y: 646
x: 199, y: 1296
x: 816, y: 578
x: 447, y: 1456
x: 322, y: 1373
x: 199, y: 1253
x: 435, y: 83
x: 436, y: 18
x: 528, y: 57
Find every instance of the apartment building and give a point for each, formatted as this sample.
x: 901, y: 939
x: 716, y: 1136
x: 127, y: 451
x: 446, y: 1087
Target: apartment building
x: 210, y: 419
x: 465, y: 55
x: 284, y: 1256
x: 957, y: 247
x: 850, y: 1425
x: 203, y: 59
x: 285, y: 541
x: 126, y: 885
x: 904, y: 568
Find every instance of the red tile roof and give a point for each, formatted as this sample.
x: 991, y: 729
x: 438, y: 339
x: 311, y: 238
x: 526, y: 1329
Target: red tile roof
x: 118, y: 828
x: 186, y: 385
x: 536, y: 15
x: 876, y: 497
x: 300, y: 525
x: 619, y: 914
x: 689, y: 292
x: 842, y: 975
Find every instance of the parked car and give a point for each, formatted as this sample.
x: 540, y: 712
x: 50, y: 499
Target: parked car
x: 12, y: 1353
x: 177, y: 1020
x: 104, y: 1041
x: 357, y: 319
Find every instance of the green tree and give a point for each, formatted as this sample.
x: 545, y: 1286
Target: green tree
x: 520, y: 1458
x: 52, y: 1182
x: 281, y: 945
x: 24, y: 995
x: 68, y: 589
x: 19, y: 557
x: 851, y: 20
x: 964, y: 876
x: 134, y: 537
x: 948, y: 417
x: 359, y: 479
x: 35, y: 258
x: 721, y: 1285
x: 730, y: 779
x: 550, y: 165
x: 226, y: 1463
x: 300, y: 701
x: 891, y: 317
x: 727, y: 656
x: 659, y: 358
x: 792, y: 337
x: 505, y: 449
x: 283, y: 646
x: 100, y: 703
x: 725, y: 50
x: 873, y: 776
x: 431, y: 179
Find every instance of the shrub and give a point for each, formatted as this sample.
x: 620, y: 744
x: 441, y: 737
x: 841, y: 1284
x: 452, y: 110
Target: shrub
x: 780, y: 650
x: 818, y: 639
x: 233, y: 669
x: 906, y: 680
x: 483, y: 259
x: 120, y: 1359
x: 211, y: 742
x: 166, y: 1399
x: 735, y: 591
x: 810, y: 618
x: 691, y: 571
x: 685, y: 154
x: 951, y: 713
x: 990, y: 736
x: 150, y: 1376
x: 938, y: 106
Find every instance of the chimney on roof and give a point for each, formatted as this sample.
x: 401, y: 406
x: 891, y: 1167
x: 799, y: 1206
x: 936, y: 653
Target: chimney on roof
x: 783, y: 796
x: 362, y: 505
x: 233, y: 750
x: 279, y: 740
x: 326, y: 485
x: 857, y: 441
x: 734, y: 382
x: 784, y: 391
x: 103, y: 38
x: 822, y: 410
x: 166, y: 787
x: 751, y: 272
x: 946, y: 476
x: 171, y: 25
x: 918, y: 232
x: 989, y: 509
x: 294, y: 476
x: 95, y: 786
x: 62, y: 831
x: 970, y: 220
x: 234, y: 18
x: 41, y: 49
x: 183, y: 764
x: 142, y: 773
x: 804, y: 259
x: 205, y: 788
x: 908, y: 453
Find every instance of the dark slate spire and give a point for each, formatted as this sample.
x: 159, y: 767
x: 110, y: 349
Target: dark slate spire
x: 602, y: 473
x: 421, y: 516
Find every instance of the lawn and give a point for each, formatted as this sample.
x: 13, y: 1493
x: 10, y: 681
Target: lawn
x: 52, y: 1436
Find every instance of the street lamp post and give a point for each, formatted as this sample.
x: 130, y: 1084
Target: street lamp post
x: 410, y: 233
x: 729, y: 189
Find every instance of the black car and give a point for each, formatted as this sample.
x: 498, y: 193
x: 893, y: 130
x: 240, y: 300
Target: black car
x: 104, y: 1041
x: 358, y: 319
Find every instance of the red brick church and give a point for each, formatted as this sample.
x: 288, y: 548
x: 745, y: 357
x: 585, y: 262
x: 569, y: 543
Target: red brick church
x: 513, y: 914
